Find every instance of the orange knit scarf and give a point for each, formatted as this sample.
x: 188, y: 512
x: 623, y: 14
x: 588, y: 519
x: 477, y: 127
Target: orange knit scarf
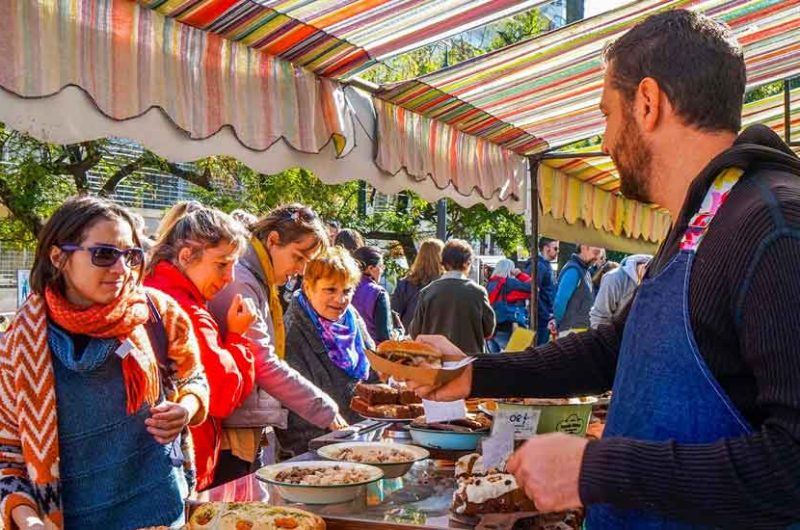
x: 122, y: 319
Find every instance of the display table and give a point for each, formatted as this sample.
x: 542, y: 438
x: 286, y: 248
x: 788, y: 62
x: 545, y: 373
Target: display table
x: 420, y: 499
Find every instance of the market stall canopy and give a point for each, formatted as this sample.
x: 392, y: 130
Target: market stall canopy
x: 338, y: 38
x: 543, y: 93
x: 74, y: 71
x: 584, y: 192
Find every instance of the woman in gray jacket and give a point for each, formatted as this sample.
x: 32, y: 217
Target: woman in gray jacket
x: 281, y: 245
x: 326, y: 340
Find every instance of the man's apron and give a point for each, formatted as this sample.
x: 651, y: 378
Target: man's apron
x: 663, y: 388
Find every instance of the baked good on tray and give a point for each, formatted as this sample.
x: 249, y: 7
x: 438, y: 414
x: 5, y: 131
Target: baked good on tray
x: 382, y: 394
x: 379, y: 394
x: 472, y: 423
x: 400, y: 412
x: 252, y: 516
x: 492, y: 493
x: 384, y: 401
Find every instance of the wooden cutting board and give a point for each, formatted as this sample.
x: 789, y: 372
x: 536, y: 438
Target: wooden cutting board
x: 506, y: 521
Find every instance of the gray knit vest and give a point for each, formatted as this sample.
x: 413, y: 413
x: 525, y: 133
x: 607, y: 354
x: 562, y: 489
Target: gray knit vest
x: 577, y: 313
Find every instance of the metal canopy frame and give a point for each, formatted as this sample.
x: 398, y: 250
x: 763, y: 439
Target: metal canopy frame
x: 787, y: 112
x: 534, y: 161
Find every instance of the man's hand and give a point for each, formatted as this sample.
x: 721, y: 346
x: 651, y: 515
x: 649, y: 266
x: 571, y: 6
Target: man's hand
x: 458, y: 388
x: 26, y: 518
x: 167, y: 421
x: 548, y: 468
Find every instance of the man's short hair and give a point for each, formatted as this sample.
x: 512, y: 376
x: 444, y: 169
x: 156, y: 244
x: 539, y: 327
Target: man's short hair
x: 544, y: 241
x: 456, y: 255
x: 696, y: 61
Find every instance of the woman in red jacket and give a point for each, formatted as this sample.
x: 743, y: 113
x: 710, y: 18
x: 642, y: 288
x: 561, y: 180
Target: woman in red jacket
x: 192, y: 262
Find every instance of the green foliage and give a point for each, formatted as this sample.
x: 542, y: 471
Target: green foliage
x: 36, y: 177
x: 258, y: 193
x: 506, y: 229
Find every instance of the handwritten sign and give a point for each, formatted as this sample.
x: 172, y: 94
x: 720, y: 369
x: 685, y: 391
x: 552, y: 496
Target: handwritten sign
x: 521, y: 419
x: 496, y: 448
x: 436, y: 411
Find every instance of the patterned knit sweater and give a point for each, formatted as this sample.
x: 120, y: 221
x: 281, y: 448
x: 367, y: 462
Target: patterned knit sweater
x: 29, y: 449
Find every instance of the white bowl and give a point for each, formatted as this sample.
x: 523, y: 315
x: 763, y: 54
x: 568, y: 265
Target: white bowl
x: 317, y: 494
x: 393, y: 470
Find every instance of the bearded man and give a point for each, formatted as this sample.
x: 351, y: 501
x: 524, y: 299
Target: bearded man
x: 704, y: 426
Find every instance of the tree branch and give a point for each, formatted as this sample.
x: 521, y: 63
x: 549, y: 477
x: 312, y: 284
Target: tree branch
x: 202, y: 180
x: 30, y: 219
x: 80, y: 165
x: 121, y: 174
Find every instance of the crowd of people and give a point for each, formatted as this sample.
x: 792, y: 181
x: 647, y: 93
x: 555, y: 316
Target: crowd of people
x: 193, y: 344
x: 226, y: 327
x: 187, y: 353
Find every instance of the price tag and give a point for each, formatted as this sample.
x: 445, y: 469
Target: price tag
x: 496, y: 448
x: 436, y: 411
x: 521, y: 419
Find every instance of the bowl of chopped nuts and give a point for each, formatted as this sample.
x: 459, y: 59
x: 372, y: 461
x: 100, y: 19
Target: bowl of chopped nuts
x: 395, y: 460
x: 319, y: 482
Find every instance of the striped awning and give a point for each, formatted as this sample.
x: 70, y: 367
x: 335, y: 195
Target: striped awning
x: 337, y: 38
x: 543, y: 93
x: 601, y: 172
x: 84, y: 69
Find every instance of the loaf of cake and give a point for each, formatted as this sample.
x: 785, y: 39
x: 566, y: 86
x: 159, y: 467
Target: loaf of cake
x: 384, y: 401
x: 480, y: 491
x: 379, y: 394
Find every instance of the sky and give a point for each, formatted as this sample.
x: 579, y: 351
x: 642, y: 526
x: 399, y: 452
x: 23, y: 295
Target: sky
x: 594, y: 7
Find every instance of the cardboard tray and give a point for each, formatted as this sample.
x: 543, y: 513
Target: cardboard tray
x: 425, y: 376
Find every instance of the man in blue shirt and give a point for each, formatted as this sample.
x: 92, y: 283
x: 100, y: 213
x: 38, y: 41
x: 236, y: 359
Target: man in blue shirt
x: 575, y: 297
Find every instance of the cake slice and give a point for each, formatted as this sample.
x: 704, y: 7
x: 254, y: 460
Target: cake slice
x: 496, y: 493
x: 378, y: 394
x: 409, y: 397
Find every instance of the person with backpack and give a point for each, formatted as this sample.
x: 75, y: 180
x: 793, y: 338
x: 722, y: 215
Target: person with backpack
x: 193, y: 261
x: 509, y: 289
x: 99, y: 377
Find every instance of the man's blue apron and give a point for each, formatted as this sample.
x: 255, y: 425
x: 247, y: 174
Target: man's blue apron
x: 663, y: 388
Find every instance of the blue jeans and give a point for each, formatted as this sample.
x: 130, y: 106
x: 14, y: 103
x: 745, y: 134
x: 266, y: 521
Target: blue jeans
x: 498, y: 343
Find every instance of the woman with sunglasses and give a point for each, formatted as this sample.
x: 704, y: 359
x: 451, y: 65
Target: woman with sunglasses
x: 281, y: 245
x: 193, y: 261
x: 89, y: 428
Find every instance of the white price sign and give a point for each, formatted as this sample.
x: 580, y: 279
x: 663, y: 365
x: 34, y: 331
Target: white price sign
x: 436, y: 411
x: 522, y: 419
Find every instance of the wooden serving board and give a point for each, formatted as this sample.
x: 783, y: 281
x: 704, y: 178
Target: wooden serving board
x: 506, y: 521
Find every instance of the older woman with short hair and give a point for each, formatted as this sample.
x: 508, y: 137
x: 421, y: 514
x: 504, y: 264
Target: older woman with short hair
x: 326, y: 339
